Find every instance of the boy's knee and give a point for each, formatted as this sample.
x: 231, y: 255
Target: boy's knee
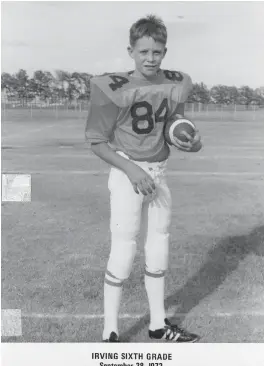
x: 157, y: 254
x: 122, y: 255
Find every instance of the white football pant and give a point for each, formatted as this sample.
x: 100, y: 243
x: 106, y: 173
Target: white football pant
x: 130, y: 212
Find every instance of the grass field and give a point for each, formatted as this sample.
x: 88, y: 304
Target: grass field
x: 55, y: 248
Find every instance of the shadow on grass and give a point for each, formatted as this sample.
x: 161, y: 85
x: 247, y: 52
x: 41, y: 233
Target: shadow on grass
x: 221, y: 261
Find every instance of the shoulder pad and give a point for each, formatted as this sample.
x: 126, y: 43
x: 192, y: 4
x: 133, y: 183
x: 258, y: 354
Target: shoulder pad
x: 177, y: 77
x: 181, y: 84
x: 112, y: 85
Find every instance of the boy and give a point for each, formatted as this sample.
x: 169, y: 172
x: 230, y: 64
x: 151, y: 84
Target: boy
x: 128, y: 111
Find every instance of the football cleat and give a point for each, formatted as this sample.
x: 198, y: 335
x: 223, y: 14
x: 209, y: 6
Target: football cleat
x: 113, y: 338
x: 173, y: 333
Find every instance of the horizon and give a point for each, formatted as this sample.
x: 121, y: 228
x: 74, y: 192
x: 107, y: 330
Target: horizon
x: 31, y: 75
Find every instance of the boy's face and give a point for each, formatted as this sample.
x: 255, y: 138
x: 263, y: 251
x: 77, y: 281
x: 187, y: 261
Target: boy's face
x: 148, y: 55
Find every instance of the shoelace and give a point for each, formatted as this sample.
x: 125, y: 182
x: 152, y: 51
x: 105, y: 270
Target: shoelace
x: 181, y: 330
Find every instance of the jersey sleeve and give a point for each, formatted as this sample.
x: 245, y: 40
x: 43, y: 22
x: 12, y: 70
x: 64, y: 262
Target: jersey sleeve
x: 182, y: 90
x: 186, y: 88
x: 102, y: 117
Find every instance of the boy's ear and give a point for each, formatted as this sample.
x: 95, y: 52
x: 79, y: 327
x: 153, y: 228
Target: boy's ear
x: 130, y: 51
x: 165, y: 51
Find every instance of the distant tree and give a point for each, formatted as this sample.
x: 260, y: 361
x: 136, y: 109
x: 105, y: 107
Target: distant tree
x: 246, y: 95
x: 233, y: 94
x: 41, y: 84
x: 73, y: 86
x: 223, y: 94
x: 259, y: 95
x: 220, y: 94
x: 76, y: 86
x: 21, y: 86
x: 69, y: 84
x: 199, y: 93
x: 62, y: 83
x: 86, y: 79
x: 8, y: 82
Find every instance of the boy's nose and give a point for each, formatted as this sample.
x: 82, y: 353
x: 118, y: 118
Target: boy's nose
x: 150, y: 57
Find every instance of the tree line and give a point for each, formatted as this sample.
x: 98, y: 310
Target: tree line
x: 43, y: 84
x: 68, y: 86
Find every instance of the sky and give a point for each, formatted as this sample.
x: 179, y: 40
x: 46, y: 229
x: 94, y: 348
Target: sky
x: 214, y: 42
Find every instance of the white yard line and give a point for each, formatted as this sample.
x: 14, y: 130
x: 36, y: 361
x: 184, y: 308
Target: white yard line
x: 169, y: 173
x: 27, y: 132
x: 30, y: 131
x: 217, y: 174
x: 230, y: 148
x: 189, y: 158
x: 139, y: 316
x: 212, y: 147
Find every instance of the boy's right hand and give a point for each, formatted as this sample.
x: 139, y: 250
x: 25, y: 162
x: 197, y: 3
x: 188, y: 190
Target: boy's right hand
x: 141, y: 181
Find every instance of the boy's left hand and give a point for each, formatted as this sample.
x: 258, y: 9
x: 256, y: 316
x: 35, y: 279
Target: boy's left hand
x: 194, y: 143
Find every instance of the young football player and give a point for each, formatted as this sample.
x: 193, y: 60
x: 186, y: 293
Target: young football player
x: 125, y: 128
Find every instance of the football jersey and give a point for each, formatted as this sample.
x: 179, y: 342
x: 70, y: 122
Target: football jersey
x: 129, y: 112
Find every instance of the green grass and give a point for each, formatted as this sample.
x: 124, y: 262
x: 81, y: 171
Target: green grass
x: 55, y: 248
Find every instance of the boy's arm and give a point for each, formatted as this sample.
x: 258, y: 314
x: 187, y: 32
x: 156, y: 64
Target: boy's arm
x: 141, y: 181
x: 100, y: 126
x: 194, y: 143
x: 104, y: 152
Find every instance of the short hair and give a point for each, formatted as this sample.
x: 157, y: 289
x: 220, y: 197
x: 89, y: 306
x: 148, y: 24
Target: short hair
x: 150, y: 26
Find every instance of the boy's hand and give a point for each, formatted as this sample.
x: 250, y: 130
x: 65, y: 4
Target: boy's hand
x: 141, y: 181
x: 193, y: 144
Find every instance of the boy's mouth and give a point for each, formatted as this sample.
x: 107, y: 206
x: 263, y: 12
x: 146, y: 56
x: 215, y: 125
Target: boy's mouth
x: 150, y: 67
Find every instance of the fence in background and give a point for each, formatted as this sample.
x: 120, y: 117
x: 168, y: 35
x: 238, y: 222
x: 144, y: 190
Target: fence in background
x: 49, y: 104
x: 200, y: 107
x: 231, y: 112
x: 58, y: 109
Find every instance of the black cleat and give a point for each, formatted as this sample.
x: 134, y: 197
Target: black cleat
x: 113, y: 338
x: 173, y: 333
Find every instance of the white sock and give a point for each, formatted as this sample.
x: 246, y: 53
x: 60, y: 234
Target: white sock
x: 155, y: 291
x: 112, y: 298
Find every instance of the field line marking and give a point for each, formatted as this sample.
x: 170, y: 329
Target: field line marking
x: 169, y: 173
x: 137, y: 316
x: 26, y: 133
x: 253, y: 147
x: 189, y: 158
x: 29, y: 131
x: 218, y: 147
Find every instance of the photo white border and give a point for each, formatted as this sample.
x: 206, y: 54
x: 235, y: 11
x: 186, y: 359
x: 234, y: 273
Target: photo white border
x: 64, y: 354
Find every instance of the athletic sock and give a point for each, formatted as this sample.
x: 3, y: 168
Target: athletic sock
x: 112, y: 298
x: 154, y: 284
